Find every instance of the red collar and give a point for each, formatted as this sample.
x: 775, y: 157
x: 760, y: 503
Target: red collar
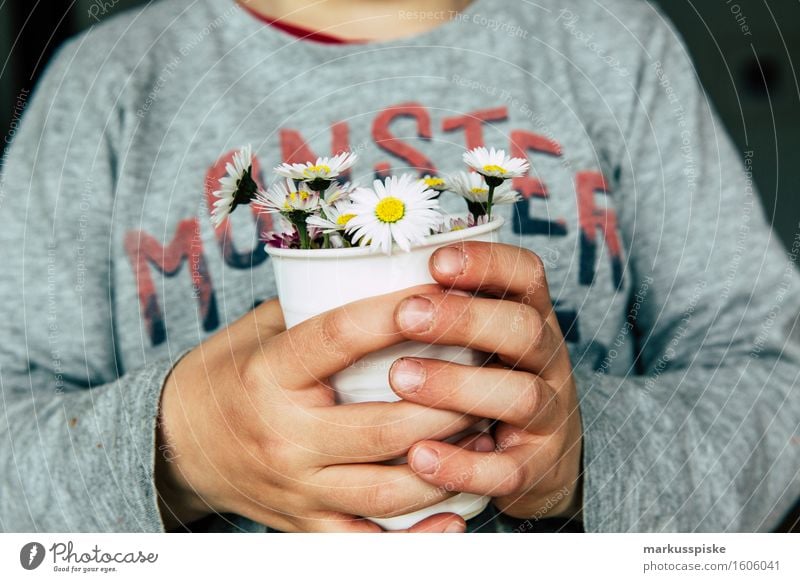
x: 299, y: 31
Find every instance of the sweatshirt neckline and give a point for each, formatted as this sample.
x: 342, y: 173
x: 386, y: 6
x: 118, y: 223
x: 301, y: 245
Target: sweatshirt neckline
x: 446, y: 32
x: 297, y: 31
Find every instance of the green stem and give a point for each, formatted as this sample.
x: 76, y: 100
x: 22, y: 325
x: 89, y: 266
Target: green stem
x: 305, y: 243
x: 492, y: 182
x: 326, y: 238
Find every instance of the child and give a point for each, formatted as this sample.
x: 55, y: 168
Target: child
x: 148, y: 381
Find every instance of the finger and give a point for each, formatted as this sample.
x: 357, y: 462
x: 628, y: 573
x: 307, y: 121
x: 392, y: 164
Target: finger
x: 440, y: 523
x: 319, y: 347
x: 268, y: 318
x: 451, y: 468
x: 481, y: 442
x: 518, y: 398
x: 340, y: 523
x: 320, y: 521
x: 508, y: 271
x: 331, y: 522
x: 257, y: 325
x: 376, y: 490
x: 516, y: 333
x: 377, y: 431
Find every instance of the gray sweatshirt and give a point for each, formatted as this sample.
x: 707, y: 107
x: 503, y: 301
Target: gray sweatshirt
x: 679, y: 306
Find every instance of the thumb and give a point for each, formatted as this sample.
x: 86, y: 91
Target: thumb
x: 317, y: 348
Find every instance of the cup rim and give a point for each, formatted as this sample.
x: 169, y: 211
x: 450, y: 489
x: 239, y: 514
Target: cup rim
x: 354, y: 252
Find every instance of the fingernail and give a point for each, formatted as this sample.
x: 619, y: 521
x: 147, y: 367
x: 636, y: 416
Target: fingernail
x: 483, y: 444
x: 449, y: 261
x: 425, y: 461
x: 455, y: 527
x: 416, y: 315
x: 407, y: 375
x: 458, y: 292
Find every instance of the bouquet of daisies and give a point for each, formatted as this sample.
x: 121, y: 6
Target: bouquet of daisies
x: 319, y: 212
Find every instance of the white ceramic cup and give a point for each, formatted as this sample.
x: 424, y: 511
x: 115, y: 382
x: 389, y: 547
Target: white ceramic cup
x: 310, y: 282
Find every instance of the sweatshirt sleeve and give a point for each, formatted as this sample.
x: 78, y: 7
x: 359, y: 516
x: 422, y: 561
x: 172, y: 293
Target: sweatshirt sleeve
x: 77, y: 434
x: 703, y: 432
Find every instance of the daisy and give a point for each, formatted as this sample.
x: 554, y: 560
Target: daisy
x: 237, y: 187
x: 495, y: 165
x: 463, y: 223
x: 318, y: 174
x: 337, y: 192
x: 286, y: 238
x: 337, y: 241
x: 400, y: 210
x: 473, y: 221
x: 453, y: 225
x: 336, y: 218
x: 473, y: 189
x: 434, y: 183
x: 294, y: 203
x: 286, y: 197
x: 281, y: 239
x: 331, y: 221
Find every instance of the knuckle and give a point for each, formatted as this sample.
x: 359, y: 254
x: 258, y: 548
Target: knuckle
x: 531, y: 326
x: 531, y: 268
x: 528, y: 400
x: 386, y: 437
x: 535, y: 329
x: 282, y: 458
x: 515, y: 482
x: 380, y: 500
x: 334, y: 330
x: 461, y: 320
x: 338, y: 499
x: 457, y: 477
x: 534, y: 264
x: 251, y: 372
x: 274, y: 453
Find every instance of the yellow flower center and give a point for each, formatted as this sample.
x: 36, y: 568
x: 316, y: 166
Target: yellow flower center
x: 493, y: 168
x: 456, y: 227
x: 433, y: 182
x: 312, y: 171
x: 344, y: 219
x: 297, y: 196
x: 479, y: 191
x: 390, y: 209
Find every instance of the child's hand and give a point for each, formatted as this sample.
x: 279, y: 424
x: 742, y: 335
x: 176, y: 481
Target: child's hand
x: 247, y: 427
x: 535, y: 468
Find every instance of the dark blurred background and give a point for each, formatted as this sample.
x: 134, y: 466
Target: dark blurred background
x: 747, y: 54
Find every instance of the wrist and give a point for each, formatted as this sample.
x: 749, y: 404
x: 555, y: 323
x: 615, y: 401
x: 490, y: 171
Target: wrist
x: 571, y: 506
x: 178, y: 501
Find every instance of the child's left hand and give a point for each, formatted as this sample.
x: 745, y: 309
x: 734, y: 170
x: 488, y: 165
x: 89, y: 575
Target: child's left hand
x: 534, y: 469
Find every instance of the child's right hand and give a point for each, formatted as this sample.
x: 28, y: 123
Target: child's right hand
x: 248, y: 426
